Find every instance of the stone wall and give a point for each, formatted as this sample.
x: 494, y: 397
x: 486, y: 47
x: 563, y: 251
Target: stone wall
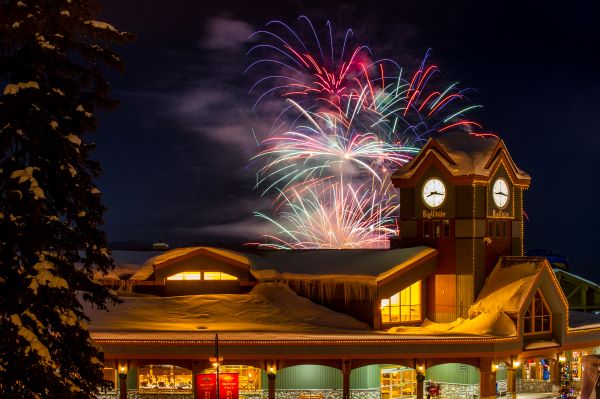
x: 458, y: 391
x: 132, y: 394
x: 322, y: 394
x: 533, y: 386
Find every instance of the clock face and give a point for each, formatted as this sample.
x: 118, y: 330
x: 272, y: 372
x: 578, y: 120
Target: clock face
x: 434, y: 192
x: 500, y: 193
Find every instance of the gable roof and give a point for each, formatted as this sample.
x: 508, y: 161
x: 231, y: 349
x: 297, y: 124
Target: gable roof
x: 177, y: 255
x: 463, y: 156
x: 511, y: 283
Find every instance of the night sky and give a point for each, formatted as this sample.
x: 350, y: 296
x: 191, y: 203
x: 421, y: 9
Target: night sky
x: 176, y: 152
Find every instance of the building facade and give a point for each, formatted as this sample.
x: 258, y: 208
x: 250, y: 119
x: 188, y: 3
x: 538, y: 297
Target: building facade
x: 452, y: 309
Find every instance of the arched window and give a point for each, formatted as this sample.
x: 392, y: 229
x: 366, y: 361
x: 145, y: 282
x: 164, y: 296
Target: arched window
x: 202, y: 275
x: 402, y: 306
x: 538, y: 318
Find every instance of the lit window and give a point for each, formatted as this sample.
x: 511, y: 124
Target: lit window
x: 218, y: 276
x: 538, y: 318
x: 199, y: 276
x: 402, y: 306
x: 186, y: 276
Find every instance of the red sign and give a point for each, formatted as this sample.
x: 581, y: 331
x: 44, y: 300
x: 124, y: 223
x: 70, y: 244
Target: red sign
x: 206, y: 386
x: 229, y: 386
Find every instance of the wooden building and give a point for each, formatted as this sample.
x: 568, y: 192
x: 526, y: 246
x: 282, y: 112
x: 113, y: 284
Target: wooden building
x: 453, y: 303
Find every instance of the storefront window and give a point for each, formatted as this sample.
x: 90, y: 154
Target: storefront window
x: 402, y: 306
x: 398, y: 382
x: 537, y: 369
x: 576, y: 364
x: 249, y: 377
x: 538, y: 318
x: 164, y: 379
x: 206, y: 275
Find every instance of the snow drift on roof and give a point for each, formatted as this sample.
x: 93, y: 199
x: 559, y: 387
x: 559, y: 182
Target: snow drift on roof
x: 469, y: 155
x: 509, y: 284
x: 268, y: 307
x: 494, y: 324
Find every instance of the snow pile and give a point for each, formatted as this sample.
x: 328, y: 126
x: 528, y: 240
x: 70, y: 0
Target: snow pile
x: 269, y: 307
x: 494, y: 324
x: 508, y: 286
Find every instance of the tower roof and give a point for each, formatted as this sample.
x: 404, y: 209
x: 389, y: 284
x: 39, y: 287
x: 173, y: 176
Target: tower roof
x: 463, y: 157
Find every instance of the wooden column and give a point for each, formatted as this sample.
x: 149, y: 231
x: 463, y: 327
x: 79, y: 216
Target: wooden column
x: 346, y: 370
x: 271, y: 382
x: 487, y: 379
x: 420, y: 375
x: 122, y: 385
x: 511, y: 377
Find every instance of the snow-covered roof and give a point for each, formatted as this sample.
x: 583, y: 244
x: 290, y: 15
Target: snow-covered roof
x: 576, y: 277
x: 583, y: 320
x: 509, y: 284
x: 344, y: 264
x: 272, y: 309
x: 150, y: 265
x: 269, y: 307
x: 366, y: 264
x: 496, y: 324
x: 462, y: 155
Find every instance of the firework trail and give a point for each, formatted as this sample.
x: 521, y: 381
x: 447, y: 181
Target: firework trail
x: 328, y: 145
x: 345, y: 121
x: 333, y: 215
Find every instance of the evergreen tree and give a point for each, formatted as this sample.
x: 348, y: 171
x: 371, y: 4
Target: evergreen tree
x: 51, y: 57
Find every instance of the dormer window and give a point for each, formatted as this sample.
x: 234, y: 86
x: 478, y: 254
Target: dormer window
x: 402, y: 306
x: 202, y: 275
x: 538, y: 318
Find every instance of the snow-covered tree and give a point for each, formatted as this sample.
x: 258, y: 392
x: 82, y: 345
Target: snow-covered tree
x: 51, y: 57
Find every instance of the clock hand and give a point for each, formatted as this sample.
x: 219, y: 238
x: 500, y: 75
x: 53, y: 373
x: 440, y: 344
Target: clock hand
x: 434, y: 193
x: 501, y: 193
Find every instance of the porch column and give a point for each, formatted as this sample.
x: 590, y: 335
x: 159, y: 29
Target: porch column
x: 122, y: 384
x: 487, y: 379
x: 271, y: 384
x: 420, y: 375
x: 511, y: 377
x: 346, y: 370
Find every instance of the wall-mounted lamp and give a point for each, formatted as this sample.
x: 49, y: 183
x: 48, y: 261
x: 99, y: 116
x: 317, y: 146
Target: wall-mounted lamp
x: 516, y: 364
x: 562, y: 359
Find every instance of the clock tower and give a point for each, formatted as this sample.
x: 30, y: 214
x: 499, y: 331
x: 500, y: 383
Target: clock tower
x: 463, y: 195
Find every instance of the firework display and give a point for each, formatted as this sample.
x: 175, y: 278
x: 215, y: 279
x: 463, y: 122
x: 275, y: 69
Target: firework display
x: 344, y: 121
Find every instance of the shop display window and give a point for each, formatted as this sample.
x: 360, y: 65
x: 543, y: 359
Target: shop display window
x: 249, y: 377
x: 576, y: 364
x: 398, y: 382
x: 164, y: 379
x: 402, y: 306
